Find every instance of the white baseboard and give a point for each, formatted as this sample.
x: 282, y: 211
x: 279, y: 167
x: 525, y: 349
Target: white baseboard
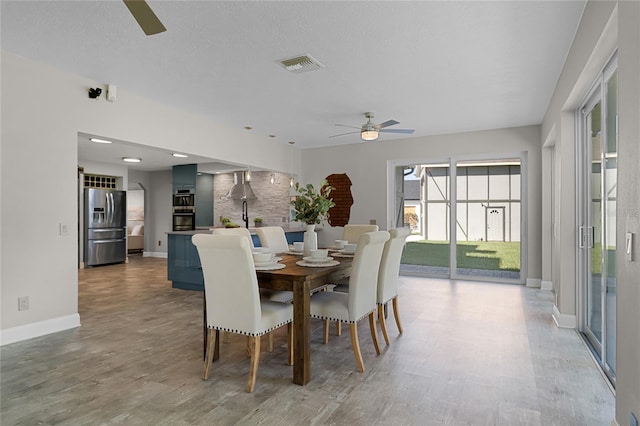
x: 563, y: 320
x: 37, y: 329
x: 546, y: 285
x: 162, y: 254
x: 533, y: 282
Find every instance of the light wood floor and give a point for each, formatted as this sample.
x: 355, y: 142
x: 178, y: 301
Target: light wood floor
x: 471, y: 354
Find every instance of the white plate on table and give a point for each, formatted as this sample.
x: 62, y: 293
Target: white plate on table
x: 347, y: 252
x: 340, y: 254
x: 316, y: 264
x: 274, y: 266
x: 296, y: 253
x: 316, y: 260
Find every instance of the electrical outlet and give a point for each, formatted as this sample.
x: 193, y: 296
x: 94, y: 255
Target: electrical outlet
x: 159, y: 243
x: 23, y: 303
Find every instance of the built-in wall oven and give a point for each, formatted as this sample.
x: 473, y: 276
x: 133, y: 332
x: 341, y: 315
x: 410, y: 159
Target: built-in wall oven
x: 184, y: 198
x: 184, y: 221
x: 184, y: 210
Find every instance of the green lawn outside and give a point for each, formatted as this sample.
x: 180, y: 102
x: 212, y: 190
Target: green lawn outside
x: 503, y: 256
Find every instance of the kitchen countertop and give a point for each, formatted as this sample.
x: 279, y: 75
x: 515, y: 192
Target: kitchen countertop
x: 252, y: 231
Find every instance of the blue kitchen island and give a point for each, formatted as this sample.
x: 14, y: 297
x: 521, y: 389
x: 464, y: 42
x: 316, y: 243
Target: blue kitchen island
x: 183, y: 264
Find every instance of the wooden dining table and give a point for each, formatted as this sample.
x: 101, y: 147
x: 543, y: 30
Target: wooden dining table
x: 301, y: 280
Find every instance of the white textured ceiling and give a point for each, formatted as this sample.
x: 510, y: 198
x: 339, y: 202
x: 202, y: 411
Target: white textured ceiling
x: 435, y: 66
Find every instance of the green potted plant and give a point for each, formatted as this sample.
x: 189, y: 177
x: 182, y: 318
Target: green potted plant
x: 312, y: 207
x: 257, y: 222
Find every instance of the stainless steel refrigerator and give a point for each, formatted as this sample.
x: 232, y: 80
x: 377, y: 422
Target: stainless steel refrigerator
x: 105, y: 226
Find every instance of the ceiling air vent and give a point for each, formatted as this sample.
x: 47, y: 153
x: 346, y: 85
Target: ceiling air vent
x: 301, y: 63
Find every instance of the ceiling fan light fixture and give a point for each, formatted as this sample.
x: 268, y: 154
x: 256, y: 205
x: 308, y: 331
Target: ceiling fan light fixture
x: 369, y: 135
x: 96, y: 140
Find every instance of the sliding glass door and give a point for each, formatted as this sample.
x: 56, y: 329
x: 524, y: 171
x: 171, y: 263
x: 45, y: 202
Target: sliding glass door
x: 472, y: 235
x: 597, y: 242
x: 488, y: 219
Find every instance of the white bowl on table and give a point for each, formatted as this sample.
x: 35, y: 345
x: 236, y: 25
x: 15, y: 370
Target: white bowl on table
x: 349, y: 248
x: 319, y: 254
x: 262, y: 256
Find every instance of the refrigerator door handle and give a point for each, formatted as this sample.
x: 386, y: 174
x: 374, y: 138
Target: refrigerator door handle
x: 110, y: 195
x: 107, y: 241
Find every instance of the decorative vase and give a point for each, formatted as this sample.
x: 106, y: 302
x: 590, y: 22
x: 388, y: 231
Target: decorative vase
x: 310, y: 240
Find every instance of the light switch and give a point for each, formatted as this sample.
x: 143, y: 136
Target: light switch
x: 628, y: 246
x: 63, y: 229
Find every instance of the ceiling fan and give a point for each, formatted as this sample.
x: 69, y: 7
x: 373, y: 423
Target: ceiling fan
x: 145, y: 17
x: 369, y: 130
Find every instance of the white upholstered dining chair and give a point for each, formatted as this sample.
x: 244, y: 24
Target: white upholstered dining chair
x: 353, y: 232
x: 274, y: 238
x: 388, y: 277
x: 361, y: 300
x: 234, y: 231
x: 274, y: 295
x: 233, y: 300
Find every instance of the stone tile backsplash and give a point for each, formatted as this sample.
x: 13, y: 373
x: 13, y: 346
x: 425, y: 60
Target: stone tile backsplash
x: 272, y: 203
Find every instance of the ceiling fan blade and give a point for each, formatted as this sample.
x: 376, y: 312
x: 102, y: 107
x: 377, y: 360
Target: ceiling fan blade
x: 346, y: 125
x: 342, y: 134
x: 387, y: 124
x: 408, y: 131
x: 145, y: 17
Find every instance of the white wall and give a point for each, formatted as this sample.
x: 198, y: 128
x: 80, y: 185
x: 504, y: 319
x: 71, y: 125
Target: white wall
x: 366, y: 164
x: 43, y: 109
x: 158, y: 220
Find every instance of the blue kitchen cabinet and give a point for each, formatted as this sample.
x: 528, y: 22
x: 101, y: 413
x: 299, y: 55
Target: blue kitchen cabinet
x: 183, y: 263
x: 184, y: 176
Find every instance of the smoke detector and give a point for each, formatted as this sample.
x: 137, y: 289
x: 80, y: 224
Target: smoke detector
x: 301, y: 63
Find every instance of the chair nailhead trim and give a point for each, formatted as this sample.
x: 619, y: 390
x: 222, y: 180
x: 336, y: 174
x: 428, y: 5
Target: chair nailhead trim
x: 337, y: 319
x: 245, y: 333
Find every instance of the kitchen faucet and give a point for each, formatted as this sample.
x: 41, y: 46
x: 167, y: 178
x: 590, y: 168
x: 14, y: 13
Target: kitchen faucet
x: 245, y: 213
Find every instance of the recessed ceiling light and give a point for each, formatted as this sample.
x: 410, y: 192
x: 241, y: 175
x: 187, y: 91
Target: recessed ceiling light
x: 96, y: 140
x: 131, y: 159
x: 291, y: 142
x: 272, y: 136
x: 248, y: 128
x: 175, y: 154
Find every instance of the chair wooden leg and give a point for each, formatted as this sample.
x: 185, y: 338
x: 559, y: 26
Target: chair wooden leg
x: 270, y: 341
x: 208, y: 359
x: 383, y: 324
x: 255, y: 359
x: 374, y: 331
x: 396, y: 314
x: 290, y: 343
x: 356, y: 346
x: 338, y: 328
x: 325, y: 331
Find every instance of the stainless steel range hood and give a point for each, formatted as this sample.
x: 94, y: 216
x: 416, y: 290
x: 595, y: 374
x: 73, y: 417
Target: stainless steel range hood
x: 240, y: 191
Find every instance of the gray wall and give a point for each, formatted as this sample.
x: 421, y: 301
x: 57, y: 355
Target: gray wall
x: 367, y: 165
x: 605, y: 26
